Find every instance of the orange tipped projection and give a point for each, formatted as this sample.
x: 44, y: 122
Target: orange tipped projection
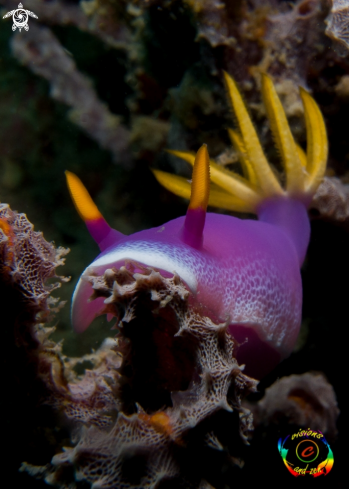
x: 200, y: 185
x: 97, y: 226
x: 193, y: 227
x: 83, y: 202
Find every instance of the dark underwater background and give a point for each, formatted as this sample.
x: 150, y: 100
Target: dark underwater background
x: 102, y: 88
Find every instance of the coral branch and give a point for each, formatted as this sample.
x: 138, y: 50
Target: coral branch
x: 43, y: 54
x: 90, y: 19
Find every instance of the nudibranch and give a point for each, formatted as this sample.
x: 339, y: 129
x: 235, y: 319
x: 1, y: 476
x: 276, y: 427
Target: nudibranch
x: 245, y: 273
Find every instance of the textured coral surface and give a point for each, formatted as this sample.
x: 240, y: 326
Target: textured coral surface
x: 153, y: 397
x: 27, y: 265
x: 155, y: 404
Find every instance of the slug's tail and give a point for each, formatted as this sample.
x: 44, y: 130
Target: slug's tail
x: 259, y: 183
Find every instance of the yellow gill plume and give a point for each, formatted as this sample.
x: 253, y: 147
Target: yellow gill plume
x: 234, y: 192
x: 317, y: 145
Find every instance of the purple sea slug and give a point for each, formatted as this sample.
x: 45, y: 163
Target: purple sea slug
x: 244, y: 273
